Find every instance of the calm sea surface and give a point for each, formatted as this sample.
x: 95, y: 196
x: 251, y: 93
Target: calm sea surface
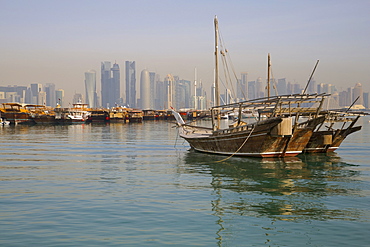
x: 139, y: 185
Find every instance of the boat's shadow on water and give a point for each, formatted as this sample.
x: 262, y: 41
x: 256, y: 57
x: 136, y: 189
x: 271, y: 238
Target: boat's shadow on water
x: 292, y: 188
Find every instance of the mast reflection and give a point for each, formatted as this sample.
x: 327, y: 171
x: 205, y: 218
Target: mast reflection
x: 288, y: 189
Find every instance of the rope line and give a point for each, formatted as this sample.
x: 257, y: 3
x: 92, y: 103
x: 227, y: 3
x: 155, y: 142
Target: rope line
x: 246, y: 139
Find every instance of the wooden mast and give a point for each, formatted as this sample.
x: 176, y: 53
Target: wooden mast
x: 217, y: 103
x: 268, y: 76
x: 217, y: 93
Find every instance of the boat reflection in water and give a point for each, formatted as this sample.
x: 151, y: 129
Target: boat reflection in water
x: 278, y: 189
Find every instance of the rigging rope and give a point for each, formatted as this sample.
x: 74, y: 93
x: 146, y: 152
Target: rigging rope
x: 246, y: 139
x: 225, y: 60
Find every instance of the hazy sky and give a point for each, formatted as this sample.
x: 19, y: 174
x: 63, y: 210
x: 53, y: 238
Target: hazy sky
x: 57, y: 41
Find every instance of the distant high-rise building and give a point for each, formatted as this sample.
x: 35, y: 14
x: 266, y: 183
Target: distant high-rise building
x: 321, y: 88
x: 282, y: 86
x: 50, y: 95
x: 259, y: 91
x: 252, y: 90
x: 90, y: 88
x: 213, y: 95
x: 160, y: 94
x: 343, y: 99
x: 130, y: 83
x: 311, y: 87
x: 105, y: 83
x: 272, y: 86
x: 35, y: 89
x: 78, y: 98
x: 59, y: 95
x: 358, y: 92
x: 110, y: 84
x: 145, y: 96
x: 152, y: 78
x: 183, y: 92
x: 241, y: 89
x: 366, y: 100
x: 115, y: 92
x: 41, y: 98
x: 169, y: 83
x: 297, y: 88
x: 19, y: 94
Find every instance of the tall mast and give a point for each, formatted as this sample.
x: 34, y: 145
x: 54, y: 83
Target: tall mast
x: 268, y: 76
x: 195, y: 90
x: 217, y: 93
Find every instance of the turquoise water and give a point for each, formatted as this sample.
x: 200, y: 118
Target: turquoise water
x: 139, y: 185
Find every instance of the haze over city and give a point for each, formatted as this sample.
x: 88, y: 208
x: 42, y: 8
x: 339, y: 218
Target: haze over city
x: 58, y: 41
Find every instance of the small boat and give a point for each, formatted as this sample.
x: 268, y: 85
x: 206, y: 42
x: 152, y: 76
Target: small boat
x: 78, y: 113
x: 98, y: 116
x: 3, y: 121
x: 16, y: 113
x: 118, y: 114
x: 135, y: 116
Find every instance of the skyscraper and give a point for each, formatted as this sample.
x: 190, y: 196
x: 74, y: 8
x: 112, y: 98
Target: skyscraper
x: 59, y: 95
x: 105, y: 83
x: 115, y: 86
x: 145, y: 96
x: 183, y: 90
x: 243, y: 86
x: 281, y: 86
x: 252, y: 92
x: 153, y: 88
x: 130, y: 83
x: 358, y: 92
x: 90, y: 88
x: 259, y: 88
x: 50, y: 95
x: 110, y: 84
x: 36, y: 88
x: 169, y: 82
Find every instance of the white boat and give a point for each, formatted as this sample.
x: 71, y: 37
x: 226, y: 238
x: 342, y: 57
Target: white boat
x: 3, y: 121
x: 78, y: 113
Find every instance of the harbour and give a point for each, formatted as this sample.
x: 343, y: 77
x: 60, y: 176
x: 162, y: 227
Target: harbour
x: 140, y: 184
x: 192, y: 150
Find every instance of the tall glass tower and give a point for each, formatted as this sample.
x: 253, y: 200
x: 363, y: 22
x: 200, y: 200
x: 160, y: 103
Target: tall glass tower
x: 105, y: 83
x: 110, y: 84
x: 115, y: 85
x: 145, y: 95
x: 59, y: 95
x: 130, y: 84
x: 90, y: 88
x: 50, y: 95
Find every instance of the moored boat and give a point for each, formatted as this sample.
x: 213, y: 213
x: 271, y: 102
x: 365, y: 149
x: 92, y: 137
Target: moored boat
x: 135, y: 116
x: 118, y: 114
x: 278, y: 131
x: 281, y: 134
x: 3, y: 120
x: 98, y: 116
x: 16, y: 113
x: 329, y: 140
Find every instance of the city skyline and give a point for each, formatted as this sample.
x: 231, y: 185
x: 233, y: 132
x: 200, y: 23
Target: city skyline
x: 56, y: 42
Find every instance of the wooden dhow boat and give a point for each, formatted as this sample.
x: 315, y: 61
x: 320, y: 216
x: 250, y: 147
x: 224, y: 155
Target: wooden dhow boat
x: 329, y: 140
x: 278, y: 131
